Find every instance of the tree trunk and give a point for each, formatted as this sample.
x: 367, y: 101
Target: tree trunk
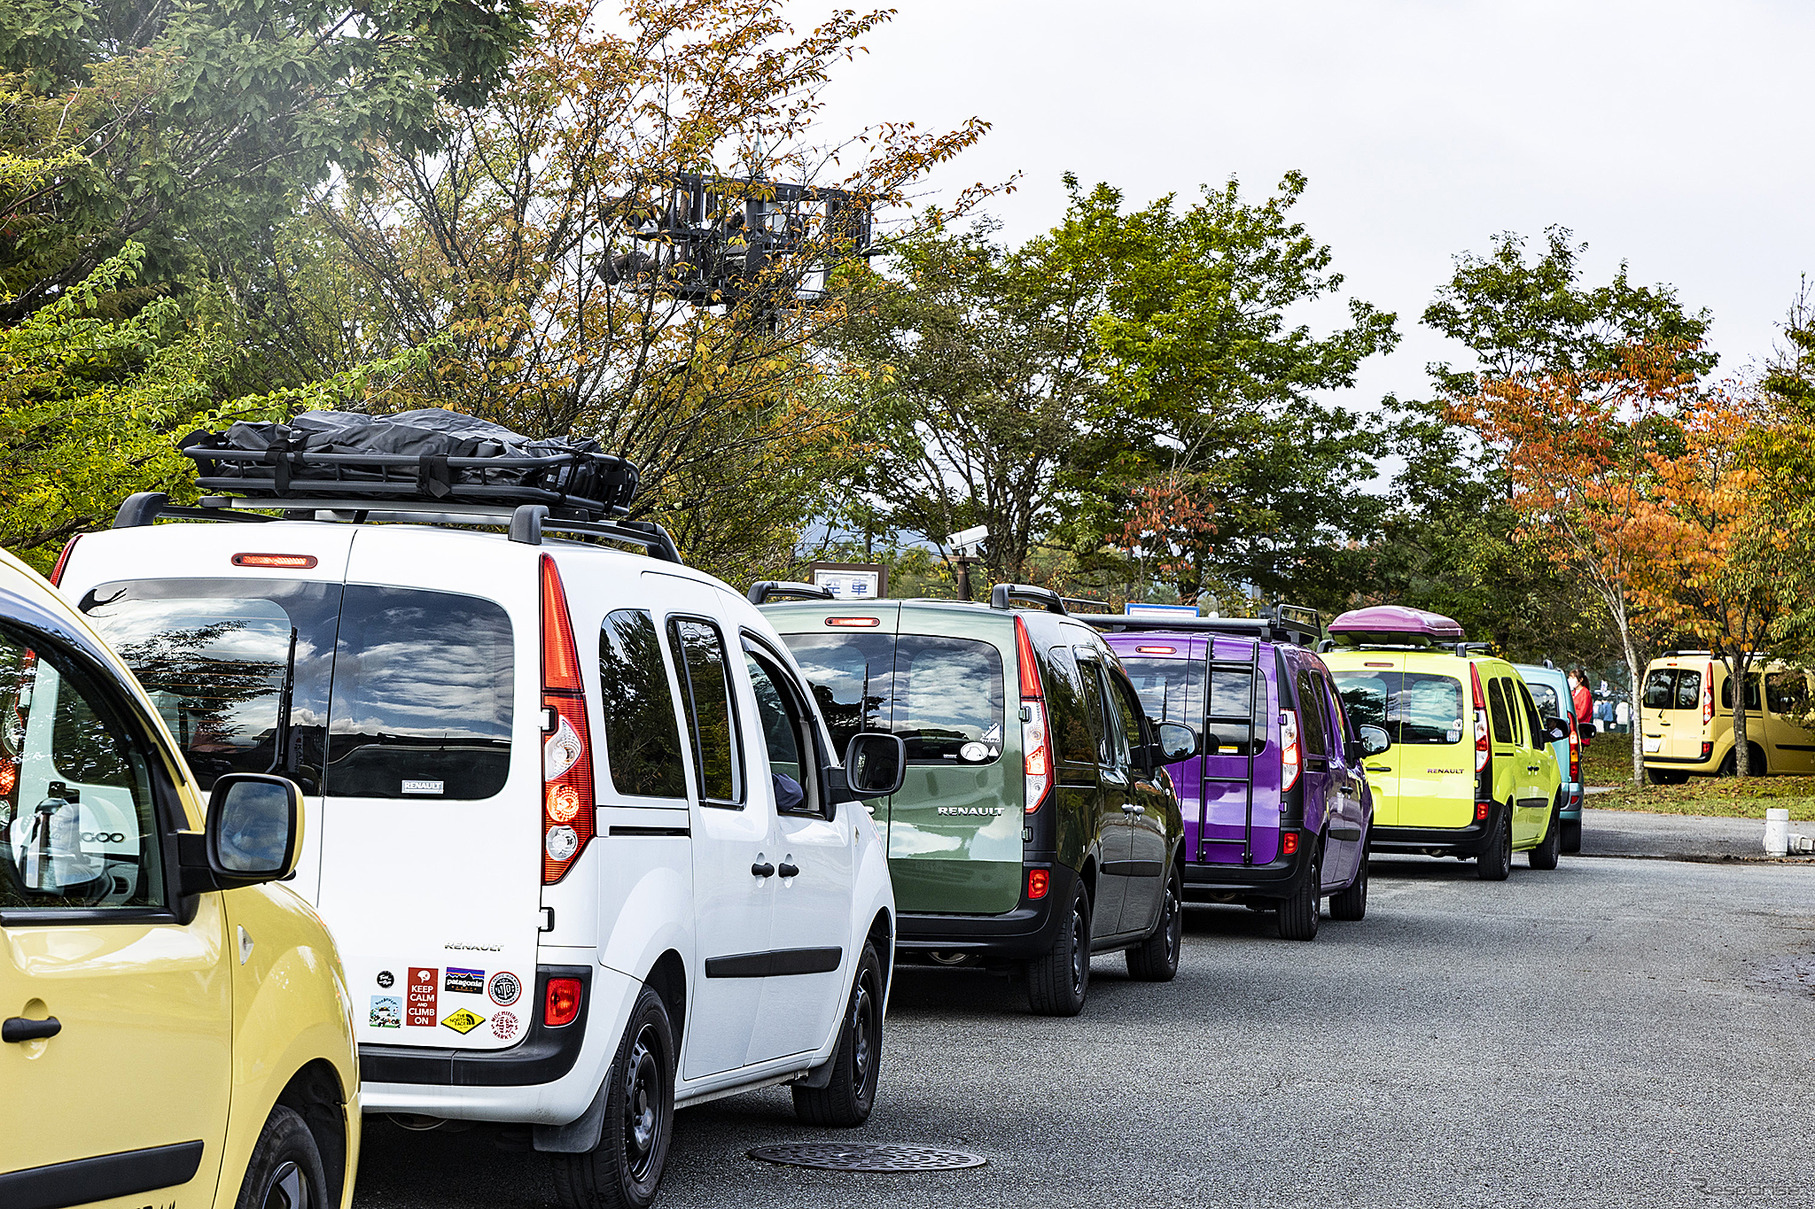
x: 1636, y: 671
x: 1739, y: 663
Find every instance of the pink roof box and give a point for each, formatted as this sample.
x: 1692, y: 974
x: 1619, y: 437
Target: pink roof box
x: 1394, y: 625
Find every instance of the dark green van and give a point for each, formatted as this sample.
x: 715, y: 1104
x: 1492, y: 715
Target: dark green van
x: 1034, y: 826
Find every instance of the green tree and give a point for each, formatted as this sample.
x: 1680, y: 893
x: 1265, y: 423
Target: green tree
x: 1210, y: 392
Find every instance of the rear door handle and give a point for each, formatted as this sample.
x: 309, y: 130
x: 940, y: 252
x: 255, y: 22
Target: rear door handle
x: 1371, y: 768
x: 1133, y: 808
x: 788, y: 870
x: 762, y: 869
x: 18, y: 1028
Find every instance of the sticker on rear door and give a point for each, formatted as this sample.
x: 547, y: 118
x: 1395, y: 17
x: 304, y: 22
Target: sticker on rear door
x: 504, y: 1025
x: 464, y: 1022
x: 387, y: 1011
x: 505, y: 988
x: 424, y: 787
x: 422, y: 1004
x: 469, y: 982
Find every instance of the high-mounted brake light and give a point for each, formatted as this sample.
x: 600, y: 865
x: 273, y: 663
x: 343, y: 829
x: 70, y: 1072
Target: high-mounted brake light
x: 56, y: 572
x: 561, y: 1002
x: 1482, y: 750
x: 567, y: 801
x: 855, y: 622
x: 1036, y: 759
x: 1708, y: 696
x: 1156, y: 650
x: 284, y: 562
x: 1376, y: 664
x: 1291, y: 755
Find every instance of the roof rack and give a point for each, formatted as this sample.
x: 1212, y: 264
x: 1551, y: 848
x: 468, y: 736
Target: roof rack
x: 1004, y: 596
x: 764, y: 591
x: 525, y: 523
x: 1266, y: 629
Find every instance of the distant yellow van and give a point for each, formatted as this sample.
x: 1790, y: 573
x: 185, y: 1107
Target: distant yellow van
x: 1686, y: 718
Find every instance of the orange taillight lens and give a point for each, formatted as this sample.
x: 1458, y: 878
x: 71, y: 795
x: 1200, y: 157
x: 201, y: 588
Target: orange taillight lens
x: 1036, y: 758
x: 1291, y: 755
x: 567, y: 800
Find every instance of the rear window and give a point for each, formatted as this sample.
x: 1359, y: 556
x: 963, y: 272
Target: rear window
x: 422, y: 696
x: 943, y: 696
x: 1172, y: 690
x: 1660, y: 688
x: 1412, y: 707
x: 1688, y: 690
x: 1546, y: 699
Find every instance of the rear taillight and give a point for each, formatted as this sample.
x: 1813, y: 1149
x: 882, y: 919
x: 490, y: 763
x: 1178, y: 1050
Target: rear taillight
x: 1288, y: 843
x: 1707, y: 749
x: 56, y: 572
x: 1575, y: 753
x: 561, y: 1002
x: 1708, y: 696
x: 1481, y: 811
x: 1291, y: 755
x: 1482, y: 749
x: 567, y: 802
x: 1036, y: 757
x: 1039, y: 881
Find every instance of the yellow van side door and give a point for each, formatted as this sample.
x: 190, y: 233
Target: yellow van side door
x: 117, y: 1015
x: 1788, y: 747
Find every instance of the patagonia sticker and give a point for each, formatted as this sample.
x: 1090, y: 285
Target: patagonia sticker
x: 424, y: 787
x: 468, y: 982
x: 422, y: 1005
x: 464, y: 1022
x: 504, y: 1025
x: 505, y: 989
x: 387, y: 1011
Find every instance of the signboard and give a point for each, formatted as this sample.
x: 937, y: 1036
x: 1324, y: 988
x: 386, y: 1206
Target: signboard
x: 851, y: 581
x: 1158, y: 610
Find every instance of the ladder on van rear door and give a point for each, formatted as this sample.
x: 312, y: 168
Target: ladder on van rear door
x: 1257, y: 731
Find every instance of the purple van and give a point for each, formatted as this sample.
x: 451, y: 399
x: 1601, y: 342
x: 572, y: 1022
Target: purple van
x: 1276, y: 805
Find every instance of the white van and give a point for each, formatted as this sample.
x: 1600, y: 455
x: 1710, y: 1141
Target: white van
x: 573, y: 819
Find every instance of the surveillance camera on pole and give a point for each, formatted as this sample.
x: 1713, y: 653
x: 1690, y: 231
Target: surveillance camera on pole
x: 966, y: 546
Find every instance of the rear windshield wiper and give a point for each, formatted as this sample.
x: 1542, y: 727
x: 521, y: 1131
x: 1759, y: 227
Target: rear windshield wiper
x: 280, y: 756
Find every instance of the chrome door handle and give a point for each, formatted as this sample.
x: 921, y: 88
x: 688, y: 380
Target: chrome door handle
x: 1132, y: 808
x: 788, y: 870
x: 762, y: 869
x: 19, y: 1028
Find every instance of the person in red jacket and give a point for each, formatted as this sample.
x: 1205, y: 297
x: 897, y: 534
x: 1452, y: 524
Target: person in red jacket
x: 1583, y: 702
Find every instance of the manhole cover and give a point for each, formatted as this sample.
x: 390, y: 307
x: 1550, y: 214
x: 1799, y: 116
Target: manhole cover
x: 859, y: 1156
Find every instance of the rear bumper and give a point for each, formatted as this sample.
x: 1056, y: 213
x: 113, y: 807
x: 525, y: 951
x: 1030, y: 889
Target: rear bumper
x: 1687, y: 763
x: 1572, y: 803
x: 1025, y: 932
x: 1279, y: 878
x: 1452, y: 841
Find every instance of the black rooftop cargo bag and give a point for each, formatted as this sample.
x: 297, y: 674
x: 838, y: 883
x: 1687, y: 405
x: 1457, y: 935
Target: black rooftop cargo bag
x: 430, y: 454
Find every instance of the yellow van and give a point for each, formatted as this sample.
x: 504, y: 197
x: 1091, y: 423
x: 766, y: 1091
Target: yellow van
x: 1686, y: 718
x: 1470, y: 772
x: 173, y: 1031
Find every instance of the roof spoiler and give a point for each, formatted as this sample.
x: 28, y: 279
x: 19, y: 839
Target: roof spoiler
x: 771, y: 591
x: 1004, y: 596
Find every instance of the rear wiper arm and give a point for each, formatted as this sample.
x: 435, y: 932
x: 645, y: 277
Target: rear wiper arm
x: 285, y: 695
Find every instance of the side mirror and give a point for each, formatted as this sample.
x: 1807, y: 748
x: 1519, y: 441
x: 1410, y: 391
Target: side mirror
x: 1374, y: 740
x: 1174, y: 741
x: 254, y: 834
x: 1555, y: 730
x: 874, y: 765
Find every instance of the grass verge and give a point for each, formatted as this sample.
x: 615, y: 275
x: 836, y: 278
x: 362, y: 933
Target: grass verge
x: 1608, y: 762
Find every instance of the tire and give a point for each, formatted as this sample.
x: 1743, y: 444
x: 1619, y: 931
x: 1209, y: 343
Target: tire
x: 1495, y: 861
x: 285, y: 1171
x: 1156, y: 958
x: 1298, y: 914
x: 1058, y: 982
x: 624, y: 1170
x: 1544, y: 856
x: 1572, y: 836
x: 1352, y: 903
x: 846, y: 1100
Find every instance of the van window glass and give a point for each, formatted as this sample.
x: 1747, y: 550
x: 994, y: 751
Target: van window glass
x: 1429, y: 709
x: 1545, y: 698
x: 1496, y: 710
x: 422, y: 696
x: 1787, y: 692
x: 1688, y: 690
x: 1534, y: 729
x: 849, y: 675
x: 1311, y: 722
x: 1339, y: 718
x: 1097, y: 708
x: 1068, y: 709
x: 1127, y: 719
x: 789, y: 772
x: 948, y: 699
x: 642, y: 742
x: 1369, y: 695
x: 711, y: 717
x: 1171, y: 689
x: 78, y: 828
x: 215, y: 657
x: 1660, y: 688
x: 1726, y: 693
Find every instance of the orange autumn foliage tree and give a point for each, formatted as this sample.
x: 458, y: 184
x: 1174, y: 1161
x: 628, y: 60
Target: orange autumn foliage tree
x: 1164, y: 527
x: 1579, y: 451
x: 1717, y: 569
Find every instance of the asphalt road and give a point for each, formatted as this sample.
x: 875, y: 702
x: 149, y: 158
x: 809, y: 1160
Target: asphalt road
x: 1617, y: 1032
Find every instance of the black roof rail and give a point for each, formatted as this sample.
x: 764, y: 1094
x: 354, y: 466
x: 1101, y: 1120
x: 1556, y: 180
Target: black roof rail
x: 525, y: 523
x: 1267, y: 629
x: 1077, y: 604
x: 765, y: 590
x: 1004, y: 596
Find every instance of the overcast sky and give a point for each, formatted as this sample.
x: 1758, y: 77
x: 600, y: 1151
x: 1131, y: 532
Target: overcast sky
x: 1675, y: 136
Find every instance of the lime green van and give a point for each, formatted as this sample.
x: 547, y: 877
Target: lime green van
x: 1470, y: 772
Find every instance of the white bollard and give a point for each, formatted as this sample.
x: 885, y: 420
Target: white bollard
x: 1777, y: 831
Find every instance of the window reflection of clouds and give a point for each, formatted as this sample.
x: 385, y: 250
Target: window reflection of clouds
x: 421, y: 673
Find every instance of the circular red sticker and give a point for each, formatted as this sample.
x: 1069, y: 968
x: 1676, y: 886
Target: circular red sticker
x: 504, y: 1025
x: 505, y: 988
